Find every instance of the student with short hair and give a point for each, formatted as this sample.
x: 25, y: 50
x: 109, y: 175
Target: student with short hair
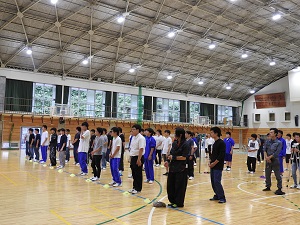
x: 115, y: 157
x: 76, y: 145
x: 253, y: 147
x: 159, y: 146
x: 149, y: 155
x: 31, y: 143
x: 45, y: 143
x: 104, y: 149
x: 229, y: 142
x: 209, y: 141
x: 97, y: 154
x: 167, y: 144
x: 37, y: 144
x: 62, y: 149
x: 68, y: 145
x: 83, y: 148
x: 190, y: 159
x: 52, y: 146
x: 283, y: 150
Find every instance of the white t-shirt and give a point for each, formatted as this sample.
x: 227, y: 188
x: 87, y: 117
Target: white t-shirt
x: 27, y: 136
x: 68, y: 140
x: 253, y: 145
x: 43, y: 138
x: 115, y: 143
x: 84, y: 143
x: 137, y: 143
x: 288, y: 146
x: 159, y: 142
x: 58, y: 138
x: 167, y: 142
x: 209, y: 141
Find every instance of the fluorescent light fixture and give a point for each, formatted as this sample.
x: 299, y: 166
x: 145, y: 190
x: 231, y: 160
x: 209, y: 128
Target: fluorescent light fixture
x: 276, y: 16
x: 171, y: 34
x: 252, y: 91
x: 228, y: 87
x: 272, y: 63
x: 200, y: 82
x: 131, y: 70
x: 296, y: 69
x: 244, y: 55
x: 121, y: 19
x: 54, y: 1
x: 85, y: 61
x: 29, y: 51
x: 169, y: 77
x: 212, y: 45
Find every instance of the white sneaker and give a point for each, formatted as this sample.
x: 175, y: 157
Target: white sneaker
x: 117, y: 185
x: 94, y: 179
x: 130, y: 176
x: 157, y: 165
x: 111, y: 183
x: 191, y: 178
x: 195, y: 164
x: 134, y: 191
x: 146, y: 181
x: 294, y: 186
x: 77, y: 164
x: 150, y: 182
x: 66, y: 161
x: 34, y: 160
x: 42, y: 162
x: 59, y: 167
x: 263, y: 170
x: 298, y: 186
x: 103, y: 168
x: 83, y: 174
x: 130, y: 191
x: 228, y: 169
x: 251, y: 172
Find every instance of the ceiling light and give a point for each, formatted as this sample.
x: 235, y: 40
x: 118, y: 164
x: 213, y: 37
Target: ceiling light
x: 228, y: 87
x: 85, y: 61
x: 54, y: 1
x: 169, y: 77
x: 212, y: 45
x: 244, y: 55
x: 200, y: 82
x: 252, y: 91
x: 29, y: 51
x: 131, y: 70
x: 121, y: 19
x: 276, y: 16
x: 272, y: 63
x: 171, y: 34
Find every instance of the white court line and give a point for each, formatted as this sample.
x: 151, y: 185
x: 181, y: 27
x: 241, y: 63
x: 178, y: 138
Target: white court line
x: 250, y: 193
x: 276, y: 196
x: 277, y: 206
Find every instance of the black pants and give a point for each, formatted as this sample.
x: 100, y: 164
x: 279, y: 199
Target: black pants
x: 190, y: 163
x: 37, y: 153
x: 260, y: 152
x: 96, y: 165
x: 121, y: 165
x: 176, y: 187
x: 251, y: 163
x: 209, y: 149
x: 53, y: 155
x: 158, y: 153
x: 137, y: 173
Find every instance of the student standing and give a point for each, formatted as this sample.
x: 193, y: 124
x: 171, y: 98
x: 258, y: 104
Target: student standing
x: 121, y: 166
x: 115, y: 157
x: 37, y: 144
x: 159, y: 146
x: 104, y: 149
x: 62, y: 149
x: 97, y: 154
x: 167, y: 144
x: 91, y: 145
x: 282, y: 153
x: 31, y: 143
x: 260, y: 152
x: 137, y: 150
x: 288, y: 142
x: 253, y: 147
x: 216, y: 165
x: 83, y: 148
x: 68, y: 145
x: 45, y: 143
x: 177, y: 178
x: 208, y: 145
x: 273, y: 148
x: 109, y: 138
x: 149, y: 155
x: 295, y: 157
x: 26, y: 140
x: 58, y: 139
x: 190, y: 158
x: 76, y: 145
x: 52, y: 146
x: 229, y: 142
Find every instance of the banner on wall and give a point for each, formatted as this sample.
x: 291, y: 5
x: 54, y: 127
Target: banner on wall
x: 274, y: 100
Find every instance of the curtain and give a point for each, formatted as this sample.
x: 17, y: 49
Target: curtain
x: 114, y: 105
x: 182, y: 111
x: 147, y: 108
x: 58, y: 94
x: 18, y: 95
x: 207, y: 110
x: 108, y: 104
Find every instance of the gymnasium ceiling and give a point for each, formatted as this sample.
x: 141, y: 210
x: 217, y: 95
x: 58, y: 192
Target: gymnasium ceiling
x: 63, y: 35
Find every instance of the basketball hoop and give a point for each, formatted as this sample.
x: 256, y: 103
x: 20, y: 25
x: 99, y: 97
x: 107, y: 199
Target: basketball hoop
x: 62, y: 111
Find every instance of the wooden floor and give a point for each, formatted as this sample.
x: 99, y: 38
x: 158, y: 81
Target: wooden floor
x: 33, y: 194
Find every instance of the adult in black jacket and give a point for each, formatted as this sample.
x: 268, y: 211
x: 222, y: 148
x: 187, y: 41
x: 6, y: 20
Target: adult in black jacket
x: 216, y: 165
x: 177, y: 177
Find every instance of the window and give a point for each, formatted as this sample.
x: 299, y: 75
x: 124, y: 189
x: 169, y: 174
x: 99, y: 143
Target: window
x: 167, y: 110
x: 224, y: 114
x: 43, y: 98
x: 194, y: 111
x: 127, y: 106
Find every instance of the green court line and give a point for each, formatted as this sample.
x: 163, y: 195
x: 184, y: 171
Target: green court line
x: 133, y: 211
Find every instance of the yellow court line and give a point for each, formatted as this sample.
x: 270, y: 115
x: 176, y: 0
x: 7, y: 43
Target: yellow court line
x: 60, y: 217
x: 7, y: 178
x: 108, y: 215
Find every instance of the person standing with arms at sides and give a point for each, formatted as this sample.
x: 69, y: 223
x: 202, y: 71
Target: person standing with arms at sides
x: 288, y: 142
x: 58, y: 139
x: 83, y: 148
x: 198, y: 138
x: 295, y: 159
x: 104, y: 149
x: 109, y: 138
x: 272, y: 148
x: 115, y: 157
x: 129, y: 143
x: 253, y: 147
x: 91, y: 145
x: 26, y: 140
x: 52, y: 146
x: 137, y: 150
x: 31, y: 143
x: 159, y: 146
x: 216, y: 165
x: 167, y: 144
x: 283, y: 150
x: 68, y: 145
x: 45, y: 144
x: 75, y: 144
x: 37, y: 144
x: 121, y: 166
x: 177, y: 178
x: 62, y: 149
x: 208, y: 144
x: 149, y: 155
x: 260, y: 152
x: 190, y: 158
x: 97, y: 154
x: 229, y: 142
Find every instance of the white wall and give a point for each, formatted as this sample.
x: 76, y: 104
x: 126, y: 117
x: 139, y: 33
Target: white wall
x: 281, y: 85
x: 80, y: 83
